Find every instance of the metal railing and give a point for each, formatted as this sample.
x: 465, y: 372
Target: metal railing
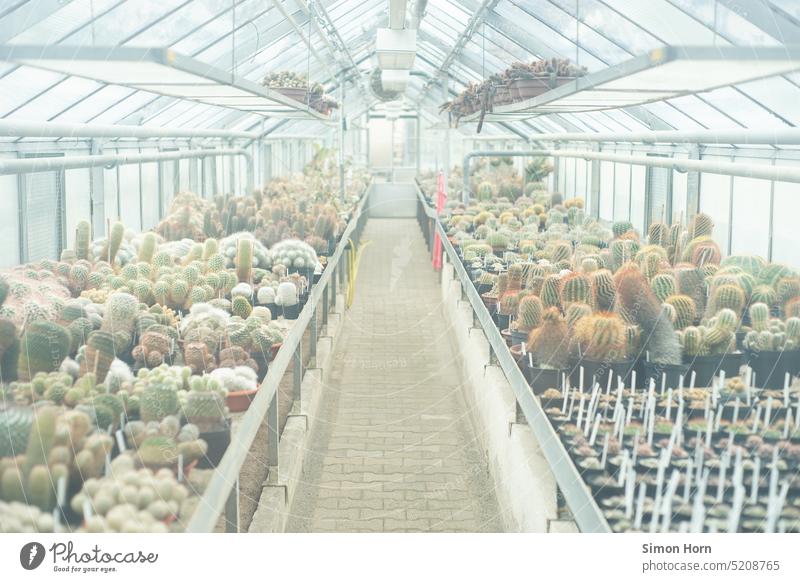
x: 222, y: 493
x: 579, y: 498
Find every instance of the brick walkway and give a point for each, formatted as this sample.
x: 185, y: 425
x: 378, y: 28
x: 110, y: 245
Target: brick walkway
x: 393, y: 448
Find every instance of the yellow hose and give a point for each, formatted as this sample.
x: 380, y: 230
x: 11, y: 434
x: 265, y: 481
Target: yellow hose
x: 353, y: 260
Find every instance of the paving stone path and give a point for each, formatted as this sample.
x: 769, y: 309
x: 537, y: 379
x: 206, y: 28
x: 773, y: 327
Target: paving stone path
x: 394, y: 449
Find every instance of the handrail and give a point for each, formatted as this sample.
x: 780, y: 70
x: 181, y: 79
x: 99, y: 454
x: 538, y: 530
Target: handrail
x: 224, y: 481
x: 587, y: 513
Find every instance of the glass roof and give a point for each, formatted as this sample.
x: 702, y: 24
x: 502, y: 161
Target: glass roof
x: 252, y: 37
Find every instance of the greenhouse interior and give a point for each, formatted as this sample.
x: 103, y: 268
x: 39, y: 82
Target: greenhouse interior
x: 399, y: 266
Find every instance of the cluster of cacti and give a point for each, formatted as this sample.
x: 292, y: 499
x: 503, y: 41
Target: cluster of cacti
x: 771, y: 334
x: 717, y: 336
x: 236, y: 379
x: 154, y: 348
x: 204, y: 404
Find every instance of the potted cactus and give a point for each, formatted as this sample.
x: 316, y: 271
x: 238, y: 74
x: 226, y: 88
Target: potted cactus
x: 204, y: 407
x: 711, y: 348
x: 772, y: 347
x: 600, y: 348
x: 549, y: 354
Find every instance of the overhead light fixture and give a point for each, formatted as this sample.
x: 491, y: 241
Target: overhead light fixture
x: 396, y: 49
x: 394, y: 80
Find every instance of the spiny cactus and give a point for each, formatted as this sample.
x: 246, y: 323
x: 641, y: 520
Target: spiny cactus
x: 575, y: 312
x: 244, y: 260
x: 9, y: 351
x: 148, y: 247
x: 157, y: 401
x: 551, y: 291
x: 658, y: 234
x: 621, y: 227
x: 562, y: 251
x: 99, y: 353
x: 727, y: 297
x: 622, y: 251
x: 750, y: 264
x: 121, y: 310
x: 199, y: 358
x: 771, y: 274
x: 759, y: 316
x: 529, y: 313
x: 111, y: 247
x: 692, y: 342
x: 602, y: 337
x: 685, y: 310
x: 485, y: 191
x: 604, y: 291
x: 241, y: 306
x: 575, y: 288
x: 548, y: 343
x: 83, y: 240
x: 639, y: 303
x: 43, y: 347
x: 663, y: 285
x: 701, y: 225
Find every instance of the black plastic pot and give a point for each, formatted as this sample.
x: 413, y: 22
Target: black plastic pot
x: 517, y: 337
x: 540, y: 379
x: 670, y: 373
x: 706, y: 367
x: 600, y: 372
x: 290, y: 311
x: 262, y: 360
x: 502, y: 321
x: 483, y: 288
x: 770, y: 367
x: 218, y: 441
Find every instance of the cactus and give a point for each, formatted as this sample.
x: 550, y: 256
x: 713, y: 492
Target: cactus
x: 771, y: 274
x: 692, y: 342
x: 204, y: 408
x: 158, y: 401
x: 241, y: 306
x: 548, y: 343
x: 198, y: 357
x: 658, y: 234
x: 750, y: 264
x: 148, y: 247
x: 15, y: 425
x: 786, y: 289
x: 759, y: 316
x: 727, y: 297
x: 210, y: 248
x: 685, y: 310
x: 83, y: 240
x: 575, y: 289
x: 179, y: 293
x: 727, y: 320
x: 602, y: 337
x: 701, y: 225
x: 109, y: 250
x: 663, y: 285
x: 642, y: 306
x: 529, y: 313
x: 158, y: 452
x: 575, y: 312
x: 121, y: 310
x: 622, y: 251
x: 43, y: 347
x: 706, y: 253
x: 509, y: 302
x: 244, y: 260
x: 551, y: 291
x: 621, y: 227
x: 604, y: 292
x: 485, y: 191
x: 562, y: 251
x: 498, y: 241
x: 99, y: 354
x: 9, y: 351
x: 690, y: 282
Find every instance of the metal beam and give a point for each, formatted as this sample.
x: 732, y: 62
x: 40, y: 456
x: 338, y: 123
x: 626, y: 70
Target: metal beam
x: 788, y: 136
x: 10, y: 128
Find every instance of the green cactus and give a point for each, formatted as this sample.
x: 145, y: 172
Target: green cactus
x: 204, y: 408
x: 244, y: 260
x: 701, y: 225
x: 121, y: 311
x: 685, y: 310
x: 663, y: 285
x: 562, y: 251
x: 750, y: 264
x: 241, y: 306
x: 787, y: 288
x: 179, y: 292
x: 529, y: 313
x: 727, y: 297
x: 15, y: 426
x: 9, y: 351
x: 148, y: 247
x: 575, y: 312
x: 575, y: 288
x: 551, y: 291
x: 158, y: 452
x: 158, y: 401
x: 99, y: 354
x: 83, y: 240
x: 622, y: 251
x: 114, y: 241
x: 498, y: 241
x: 485, y: 191
x: 604, y: 291
x: 210, y: 248
x: 759, y: 316
x: 692, y: 342
x: 621, y: 227
x: 771, y: 274
x: 658, y: 234
x: 43, y: 347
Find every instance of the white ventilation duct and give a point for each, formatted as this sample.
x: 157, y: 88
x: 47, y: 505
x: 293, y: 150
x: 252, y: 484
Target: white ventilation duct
x: 396, y: 49
x: 394, y: 79
x: 397, y: 14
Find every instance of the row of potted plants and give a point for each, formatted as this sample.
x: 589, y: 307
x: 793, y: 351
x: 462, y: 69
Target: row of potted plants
x: 633, y: 343
x: 122, y: 362
x: 297, y: 86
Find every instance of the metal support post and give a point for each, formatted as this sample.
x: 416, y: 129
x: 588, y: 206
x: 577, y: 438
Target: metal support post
x: 273, y: 435
x: 232, y: 509
x: 325, y: 304
x: 341, y: 136
x: 297, y: 373
x: 313, y: 340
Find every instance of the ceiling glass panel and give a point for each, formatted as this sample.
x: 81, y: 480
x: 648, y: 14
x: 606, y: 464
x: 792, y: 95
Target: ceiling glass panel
x: 63, y: 21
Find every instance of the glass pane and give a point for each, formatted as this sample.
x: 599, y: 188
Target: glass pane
x: 62, y: 22
x: 744, y: 110
x: 117, y: 25
x: 99, y: 101
x: 750, y: 216
x: 784, y: 226
x: 663, y: 20
x: 607, y: 190
x: 622, y: 191
x: 777, y: 94
x: 715, y: 197
x: 55, y: 100
x: 728, y: 23
x: 704, y: 113
x: 638, y: 183
x: 22, y: 84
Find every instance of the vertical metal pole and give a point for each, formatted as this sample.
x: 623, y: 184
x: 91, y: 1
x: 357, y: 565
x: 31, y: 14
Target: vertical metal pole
x: 325, y: 304
x: 297, y: 375
x: 594, y: 188
x: 272, y: 432
x: 341, y: 137
x: 446, y: 152
x: 313, y: 342
x: 418, y: 128
x: 98, y: 211
x: 232, y: 509
x: 693, y: 185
